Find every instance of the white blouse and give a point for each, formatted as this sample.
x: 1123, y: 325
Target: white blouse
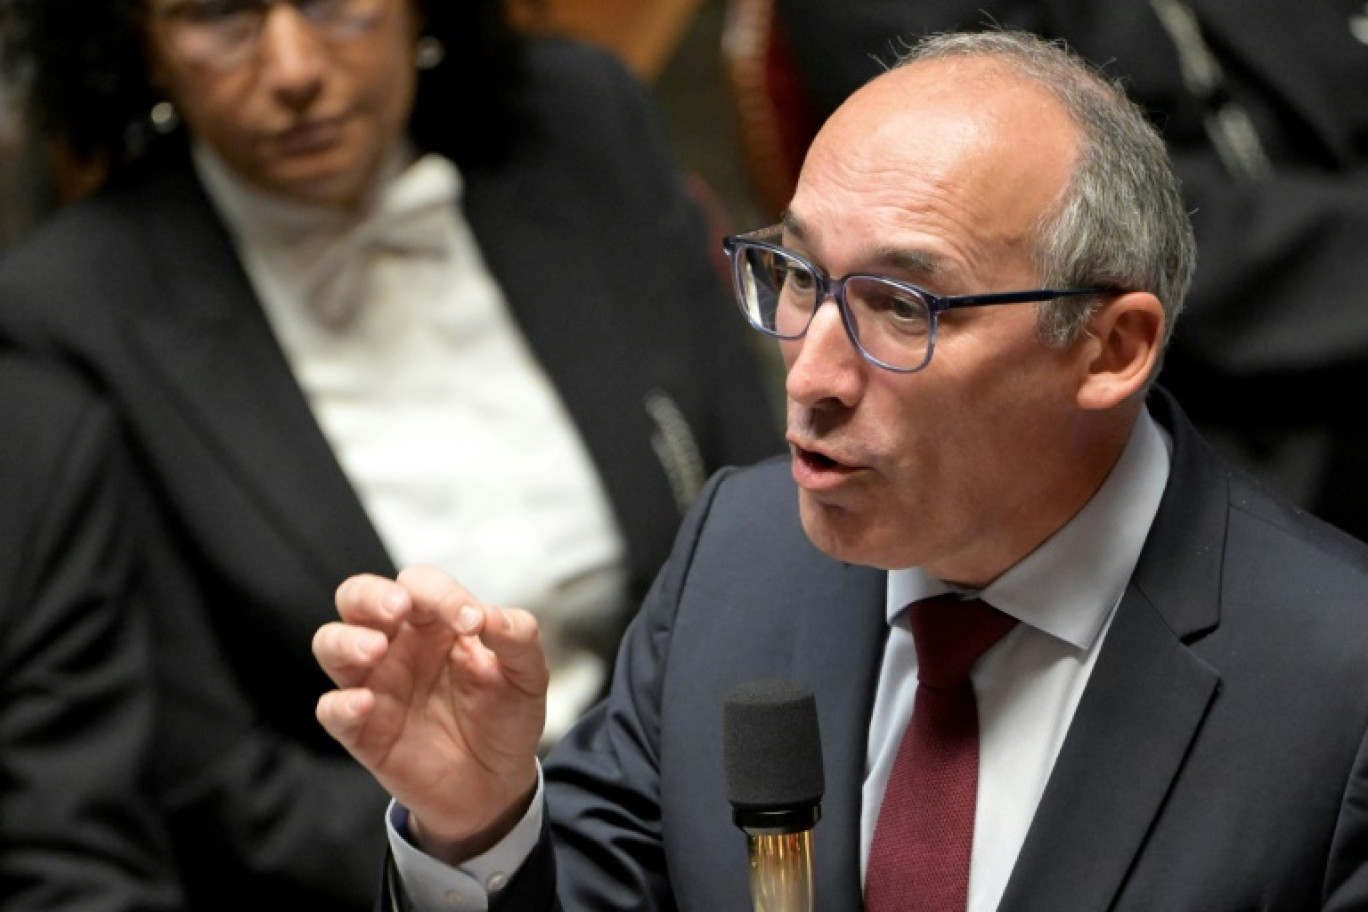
x: 453, y: 437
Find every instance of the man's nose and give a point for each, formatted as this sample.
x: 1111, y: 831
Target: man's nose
x: 825, y: 363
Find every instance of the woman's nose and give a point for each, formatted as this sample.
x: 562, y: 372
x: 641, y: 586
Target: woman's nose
x: 291, y: 54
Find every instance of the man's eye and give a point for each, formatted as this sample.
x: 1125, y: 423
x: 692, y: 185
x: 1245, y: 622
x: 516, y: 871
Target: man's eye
x: 901, y: 311
x: 799, y: 279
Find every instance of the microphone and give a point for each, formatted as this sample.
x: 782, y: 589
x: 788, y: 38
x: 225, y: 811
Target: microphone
x: 773, y: 751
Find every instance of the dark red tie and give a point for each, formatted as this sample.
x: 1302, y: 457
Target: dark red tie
x: 919, y: 859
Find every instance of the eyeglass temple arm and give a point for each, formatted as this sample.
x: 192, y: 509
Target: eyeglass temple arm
x: 1013, y: 297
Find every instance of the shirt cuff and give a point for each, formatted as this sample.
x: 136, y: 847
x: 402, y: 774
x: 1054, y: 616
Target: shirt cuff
x: 433, y: 886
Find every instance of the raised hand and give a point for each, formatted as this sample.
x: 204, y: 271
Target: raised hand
x: 442, y: 698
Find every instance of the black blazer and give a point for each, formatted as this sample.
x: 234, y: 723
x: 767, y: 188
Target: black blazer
x: 1217, y: 759
x: 605, y: 265
x: 77, y: 827
x: 1276, y: 322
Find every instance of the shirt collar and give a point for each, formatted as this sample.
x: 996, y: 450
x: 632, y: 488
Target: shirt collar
x: 310, y: 252
x: 267, y: 221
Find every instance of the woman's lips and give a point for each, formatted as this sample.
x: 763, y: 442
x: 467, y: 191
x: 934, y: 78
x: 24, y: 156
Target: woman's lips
x: 309, y: 137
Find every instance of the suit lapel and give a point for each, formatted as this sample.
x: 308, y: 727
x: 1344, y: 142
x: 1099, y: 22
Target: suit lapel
x: 847, y: 663
x: 203, y: 334
x: 1143, y: 705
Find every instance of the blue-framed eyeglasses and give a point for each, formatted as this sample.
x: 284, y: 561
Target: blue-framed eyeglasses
x: 892, y: 323
x: 223, y: 33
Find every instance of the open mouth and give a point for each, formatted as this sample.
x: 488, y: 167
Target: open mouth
x: 817, y: 471
x: 816, y: 461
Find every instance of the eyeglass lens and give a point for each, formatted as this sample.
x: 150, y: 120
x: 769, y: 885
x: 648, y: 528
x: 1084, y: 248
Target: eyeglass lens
x: 780, y: 294
x: 223, y: 32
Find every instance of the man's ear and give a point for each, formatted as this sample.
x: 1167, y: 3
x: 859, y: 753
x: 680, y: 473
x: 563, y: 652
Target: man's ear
x: 1121, y: 350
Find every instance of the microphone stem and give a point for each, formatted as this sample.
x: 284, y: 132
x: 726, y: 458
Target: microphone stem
x: 781, y: 872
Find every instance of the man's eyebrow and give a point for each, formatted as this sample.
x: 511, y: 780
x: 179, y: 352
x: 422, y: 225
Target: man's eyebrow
x: 918, y: 262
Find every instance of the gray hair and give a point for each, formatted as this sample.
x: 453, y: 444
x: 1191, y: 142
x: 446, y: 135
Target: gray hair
x: 1120, y: 222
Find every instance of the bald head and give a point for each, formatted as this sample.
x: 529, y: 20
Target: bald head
x: 1119, y: 220
x: 966, y: 141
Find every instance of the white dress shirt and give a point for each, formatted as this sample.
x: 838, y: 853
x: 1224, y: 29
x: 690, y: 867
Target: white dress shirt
x: 1028, y: 686
x: 453, y: 437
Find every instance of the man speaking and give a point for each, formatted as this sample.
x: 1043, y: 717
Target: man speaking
x: 1064, y: 657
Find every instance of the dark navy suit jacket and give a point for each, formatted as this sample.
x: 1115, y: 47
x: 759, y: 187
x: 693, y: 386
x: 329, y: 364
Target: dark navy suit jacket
x: 1217, y: 759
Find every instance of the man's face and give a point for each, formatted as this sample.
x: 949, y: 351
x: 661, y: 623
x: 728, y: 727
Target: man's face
x: 305, y: 115
x: 935, y: 174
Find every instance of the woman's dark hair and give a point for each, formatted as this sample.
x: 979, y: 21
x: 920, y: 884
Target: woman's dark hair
x: 84, y: 68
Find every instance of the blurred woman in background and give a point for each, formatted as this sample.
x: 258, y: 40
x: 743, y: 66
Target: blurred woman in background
x: 370, y: 283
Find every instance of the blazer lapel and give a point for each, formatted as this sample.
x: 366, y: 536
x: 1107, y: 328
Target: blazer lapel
x: 846, y: 663
x: 1143, y: 705
x: 203, y: 334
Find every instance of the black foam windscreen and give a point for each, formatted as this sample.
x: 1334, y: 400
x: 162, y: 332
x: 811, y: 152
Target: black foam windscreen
x: 773, y: 753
